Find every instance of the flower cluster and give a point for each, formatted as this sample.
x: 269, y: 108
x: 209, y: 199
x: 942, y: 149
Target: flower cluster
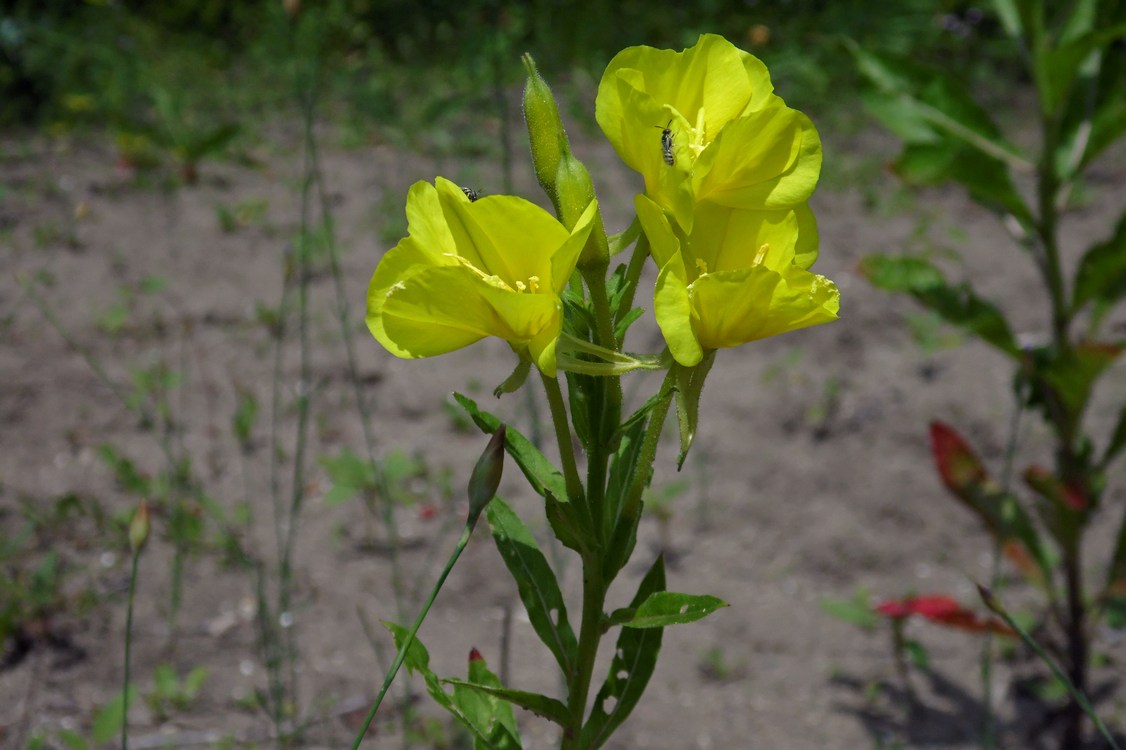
x: 726, y: 190
x: 728, y: 172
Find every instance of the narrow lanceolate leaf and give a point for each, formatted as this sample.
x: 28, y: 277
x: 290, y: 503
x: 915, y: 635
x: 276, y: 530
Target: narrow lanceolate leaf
x: 539, y: 591
x: 930, y: 105
x: 958, y: 304
x: 987, y: 179
x: 541, y: 474
x: 965, y: 476
x: 1117, y: 439
x: 1116, y: 573
x: 635, y: 657
x: 665, y: 608
x: 1058, y: 68
x: 541, y: 705
x: 1101, y: 276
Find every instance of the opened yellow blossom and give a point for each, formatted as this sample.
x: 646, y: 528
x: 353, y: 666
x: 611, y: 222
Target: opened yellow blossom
x: 705, y: 124
x: 739, y: 276
x: 471, y: 269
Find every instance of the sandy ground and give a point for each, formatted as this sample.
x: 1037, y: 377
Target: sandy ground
x: 811, y: 477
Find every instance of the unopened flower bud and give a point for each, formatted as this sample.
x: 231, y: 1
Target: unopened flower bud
x: 486, y: 475
x: 139, y: 527
x: 575, y: 191
x: 545, y: 129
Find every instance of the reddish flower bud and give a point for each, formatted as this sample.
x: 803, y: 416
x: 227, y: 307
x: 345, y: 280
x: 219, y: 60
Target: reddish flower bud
x: 475, y: 655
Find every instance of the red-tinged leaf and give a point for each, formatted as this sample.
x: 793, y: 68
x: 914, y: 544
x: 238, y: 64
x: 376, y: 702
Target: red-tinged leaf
x: 1016, y: 552
x: 960, y: 468
x: 965, y: 476
x: 1050, y: 487
x: 943, y: 610
x: 1070, y: 376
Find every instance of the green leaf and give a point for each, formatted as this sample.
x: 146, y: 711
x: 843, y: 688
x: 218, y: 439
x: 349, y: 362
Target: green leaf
x: 623, y: 465
x: 417, y: 658
x: 1115, y: 608
x: 1116, y: 571
x: 930, y: 105
x: 635, y: 658
x: 1107, y: 125
x: 958, y: 305
x: 987, y: 179
x: 1117, y: 440
x: 193, y: 683
x: 539, y: 590
x: 541, y: 705
x: 917, y: 653
x: 491, y: 713
x: 541, y: 474
x: 665, y: 608
x: 1013, y: 15
x: 1057, y: 68
x: 1072, y: 373
x: 1101, y: 276
x: 73, y: 739
x: 110, y: 718
x: 689, y: 386
x: 855, y: 611
x: 568, y: 524
x: 418, y: 661
x: 350, y: 476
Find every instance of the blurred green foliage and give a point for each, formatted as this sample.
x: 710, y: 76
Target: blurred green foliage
x: 65, y: 63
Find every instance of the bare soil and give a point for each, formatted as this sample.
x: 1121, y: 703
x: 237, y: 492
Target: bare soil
x: 811, y: 477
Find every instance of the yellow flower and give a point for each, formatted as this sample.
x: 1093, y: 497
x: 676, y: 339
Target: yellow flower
x: 705, y: 124
x: 471, y: 269
x: 739, y: 276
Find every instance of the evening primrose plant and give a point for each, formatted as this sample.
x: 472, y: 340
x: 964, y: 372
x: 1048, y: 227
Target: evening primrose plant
x: 728, y: 170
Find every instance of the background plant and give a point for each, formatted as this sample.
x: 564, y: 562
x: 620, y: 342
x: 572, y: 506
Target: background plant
x: 1073, y: 56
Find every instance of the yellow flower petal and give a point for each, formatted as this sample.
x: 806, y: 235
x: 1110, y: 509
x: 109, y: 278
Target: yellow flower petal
x: 736, y: 307
x: 672, y: 306
x: 768, y: 159
x: 442, y: 309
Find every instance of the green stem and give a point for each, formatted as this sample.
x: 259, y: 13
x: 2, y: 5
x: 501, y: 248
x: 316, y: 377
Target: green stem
x: 1077, y: 695
x: 1048, y: 192
x: 401, y: 655
x: 563, y: 437
x: 590, y: 634
x: 989, y: 728
x: 128, y: 649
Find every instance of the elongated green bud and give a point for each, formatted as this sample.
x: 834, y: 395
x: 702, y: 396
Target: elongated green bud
x: 576, y: 190
x: 139, y: 527
x: 486, y: 475
x: 545, y: 129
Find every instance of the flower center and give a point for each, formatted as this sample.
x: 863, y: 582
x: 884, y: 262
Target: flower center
x: 532, y: 285
x: 697, y: 134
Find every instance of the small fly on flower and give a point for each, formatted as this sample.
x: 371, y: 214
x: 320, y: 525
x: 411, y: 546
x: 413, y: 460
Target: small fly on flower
x: 471, y: 194
x: 668, y: 149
